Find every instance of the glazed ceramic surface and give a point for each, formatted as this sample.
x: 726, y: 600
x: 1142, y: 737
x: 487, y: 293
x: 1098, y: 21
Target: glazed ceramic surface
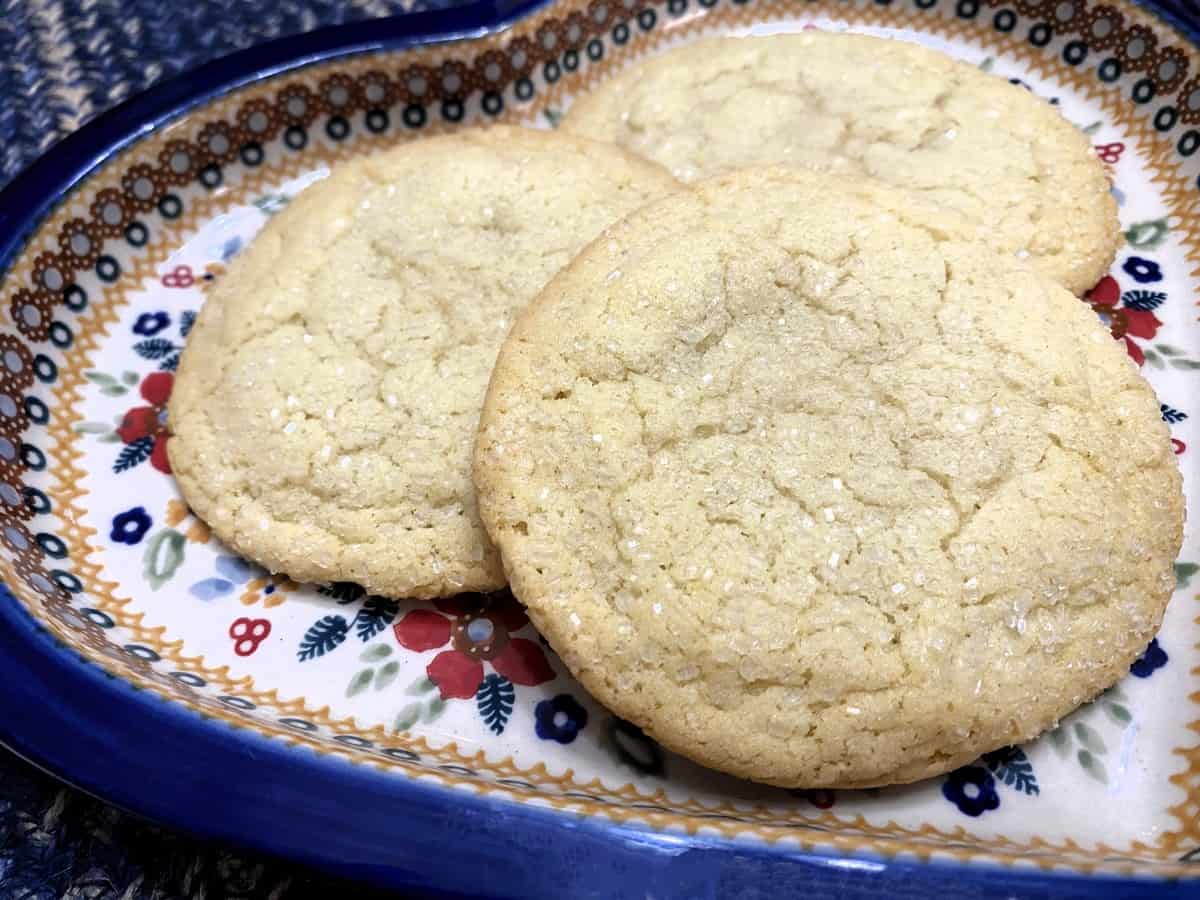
x: 99, y: 550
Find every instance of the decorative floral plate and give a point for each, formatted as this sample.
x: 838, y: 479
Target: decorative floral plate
x: 443, y: 745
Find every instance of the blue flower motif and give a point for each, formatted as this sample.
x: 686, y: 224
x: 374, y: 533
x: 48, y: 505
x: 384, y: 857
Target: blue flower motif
x: 238, y: 570
x: 560, y: 719
x: 1143, y: 271
x: 972, y: 789
x: 232, y: 570
x: 231, y: 248
x: 130, y: 526
x: 1155, y: 657
x: 632, y: 748
x: 149, y: 324
x: 210, y: 588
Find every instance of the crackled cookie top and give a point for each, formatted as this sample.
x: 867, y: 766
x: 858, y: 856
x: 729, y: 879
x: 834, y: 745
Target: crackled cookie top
x: 326, y: 404
x: 818, y: 493
x: 999, y: 156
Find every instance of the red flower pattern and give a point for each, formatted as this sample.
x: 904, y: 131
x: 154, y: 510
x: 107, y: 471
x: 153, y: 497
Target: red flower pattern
x: 1123, y: 321
x: 478, y: 629
x: 151, y: 421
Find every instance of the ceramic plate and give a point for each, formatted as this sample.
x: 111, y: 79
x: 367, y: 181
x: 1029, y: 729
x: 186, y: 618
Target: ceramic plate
x: 145, y: 662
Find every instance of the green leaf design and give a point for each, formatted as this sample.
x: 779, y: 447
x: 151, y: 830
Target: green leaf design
x: 416, y: 711
x: 1147, y: 235
x: 272, y: 203
x: 985, y: 65
x: 1091, y: 129
x: 376, y: 652
x: 1114, y: 693
x: 1060, y: 739
x: 111, y: 438
x: 1185, y: 364
x: 1118, y: 713
x: 130, y: 378
x: 433, y: 709
x: 163, y: 556
x: 114, y: 390
x: 92, y: 428
x: 408, y: 717
x: 1184, y: 572
x: 1168, y: 350
x: 494, y: 699
x: 1093, y: 766
x: 324, y: 636
x: 360, y: 682
x: 1153, y: 358
x: 421, y: 686
x: 376, y: 614
x: 1089, y: 737
x: 553, y: 116
x: 387, y: 675
x: 99, y: 378
x: 341, y: 591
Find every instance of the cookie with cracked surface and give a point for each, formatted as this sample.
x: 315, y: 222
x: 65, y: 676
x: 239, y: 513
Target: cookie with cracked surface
x: 912, y: 117
x: 815, y: 500
x: 326, y: 404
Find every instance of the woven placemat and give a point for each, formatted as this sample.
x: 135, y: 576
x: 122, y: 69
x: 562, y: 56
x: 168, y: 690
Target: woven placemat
x: 60, y: 64
x: 64, y: 61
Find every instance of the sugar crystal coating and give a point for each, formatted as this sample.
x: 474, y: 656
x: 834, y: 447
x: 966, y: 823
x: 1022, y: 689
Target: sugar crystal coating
x: 870, y: 501
x: 327, y: 401
x: 1013, y: 170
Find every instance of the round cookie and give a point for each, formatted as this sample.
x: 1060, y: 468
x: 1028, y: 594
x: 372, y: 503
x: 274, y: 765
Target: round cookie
x: 326, y: 404
x: 794, y: 481
x: 1002, y: 158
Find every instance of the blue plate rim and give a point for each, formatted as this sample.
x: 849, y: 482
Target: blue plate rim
x: 217, y: 781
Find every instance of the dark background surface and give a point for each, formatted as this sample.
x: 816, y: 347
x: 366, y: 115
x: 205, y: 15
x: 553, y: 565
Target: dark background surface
x: 62, y: 62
